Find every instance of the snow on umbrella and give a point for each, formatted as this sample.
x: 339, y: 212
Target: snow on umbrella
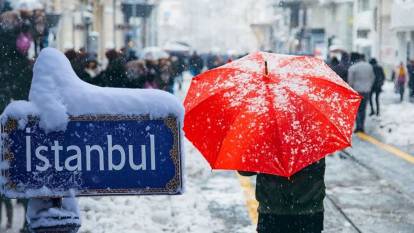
x: 269, y: 113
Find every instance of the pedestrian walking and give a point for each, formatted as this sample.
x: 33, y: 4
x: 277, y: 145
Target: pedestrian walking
x: 410, y: 70
x: 196, y: 64
x: 340, y: 68
x: 167, y: 80
x: 376, y: 87
x: 292, y: 204
x: 177, y: 69
x: 354, y: 57
x: 361, y: 78
x: 115, y: 73
x: 153, y: 80
x: 401, y: 80
x: 136, y: 72
x: 91, y: 66
x: 333, y: 62
x: 15, y: 76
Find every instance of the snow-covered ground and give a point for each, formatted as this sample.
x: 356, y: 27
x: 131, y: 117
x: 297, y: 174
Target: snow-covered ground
x: 395, y: 125
x: 212, y: 202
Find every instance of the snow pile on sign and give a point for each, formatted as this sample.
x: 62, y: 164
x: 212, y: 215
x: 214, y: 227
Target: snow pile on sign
x: 56, y: 93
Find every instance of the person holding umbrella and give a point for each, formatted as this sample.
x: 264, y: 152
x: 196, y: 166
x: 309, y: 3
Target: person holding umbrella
x: 277, y: 117
x: 292, y: 204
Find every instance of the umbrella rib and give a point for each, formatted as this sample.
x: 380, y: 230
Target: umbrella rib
x: 225, y: 135
x: 272, y: 108
x: 322, y: 113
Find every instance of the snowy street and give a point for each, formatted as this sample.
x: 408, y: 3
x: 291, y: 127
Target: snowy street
x: 180, y: 116
x: 368, y: 190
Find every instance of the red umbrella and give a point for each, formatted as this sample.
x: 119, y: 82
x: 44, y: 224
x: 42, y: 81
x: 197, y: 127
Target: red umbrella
x: 269, y: 113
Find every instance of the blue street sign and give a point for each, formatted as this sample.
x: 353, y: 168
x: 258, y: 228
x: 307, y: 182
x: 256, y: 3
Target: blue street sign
x: 96, y: 155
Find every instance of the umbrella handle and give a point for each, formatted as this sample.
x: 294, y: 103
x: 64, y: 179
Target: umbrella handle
x: 266, y: 70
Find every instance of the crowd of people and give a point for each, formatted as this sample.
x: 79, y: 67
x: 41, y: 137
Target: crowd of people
x: 20, y: 31
x: 128, y: 71
x: 367, y: 78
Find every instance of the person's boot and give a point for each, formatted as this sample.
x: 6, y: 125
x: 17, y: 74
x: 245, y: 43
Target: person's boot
x: 372, y: 113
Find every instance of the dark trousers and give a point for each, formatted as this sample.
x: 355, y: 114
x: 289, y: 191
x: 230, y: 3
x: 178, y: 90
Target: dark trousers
x: 9, y: 210
x: 360, y: 121
x: 401, y: 90
x: 271, y: 223
x: 377, y: 93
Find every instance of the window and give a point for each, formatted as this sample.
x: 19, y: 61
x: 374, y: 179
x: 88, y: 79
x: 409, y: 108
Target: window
x: 363, y: 34
x: 363, y: 5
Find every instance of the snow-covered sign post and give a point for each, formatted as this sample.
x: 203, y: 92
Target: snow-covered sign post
x: 75, y: 139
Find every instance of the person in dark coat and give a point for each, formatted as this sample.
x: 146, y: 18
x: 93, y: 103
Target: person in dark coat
x: 115, y: 73
x: 354, y: 58
x: 340, y: 68
x: 410, y: 70
x: 136, y: 72
x: 377, y: 86
x: 153, y: 77
x: 15, y: 78
x: 334, y: 62
x: 177, y: 70
x: 211, y: 59
x: 196, y: 64
x: 15, y: 67
x: 291, y: 205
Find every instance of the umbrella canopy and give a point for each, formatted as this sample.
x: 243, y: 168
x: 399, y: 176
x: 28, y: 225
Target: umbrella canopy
x: 269, y: 113
x: 153, y: 53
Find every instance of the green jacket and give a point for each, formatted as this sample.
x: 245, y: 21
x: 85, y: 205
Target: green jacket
x: 302, y: 194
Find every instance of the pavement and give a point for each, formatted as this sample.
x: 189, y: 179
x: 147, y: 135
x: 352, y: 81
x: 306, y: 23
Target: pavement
x: 370, y: 189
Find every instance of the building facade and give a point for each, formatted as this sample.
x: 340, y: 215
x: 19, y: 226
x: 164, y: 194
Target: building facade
x: 402, y: 26
x: 99, y: 25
